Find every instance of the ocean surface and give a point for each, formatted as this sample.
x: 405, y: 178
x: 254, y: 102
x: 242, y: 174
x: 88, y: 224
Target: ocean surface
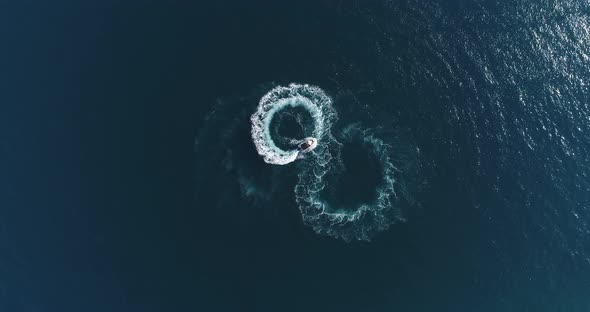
x: 149, y: 160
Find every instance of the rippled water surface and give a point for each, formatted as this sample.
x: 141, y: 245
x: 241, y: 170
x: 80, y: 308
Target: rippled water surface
x: 157, y: 168
x: 478, y: 116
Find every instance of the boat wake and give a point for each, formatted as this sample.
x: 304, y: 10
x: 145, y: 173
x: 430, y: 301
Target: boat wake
x: 360, y: 223
x: 312, y: 99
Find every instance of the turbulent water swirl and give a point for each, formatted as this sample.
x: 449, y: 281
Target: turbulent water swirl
x: 311, y: 98
x: 359, y: 224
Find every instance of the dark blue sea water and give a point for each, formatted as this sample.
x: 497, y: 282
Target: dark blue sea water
x: 451, y: 174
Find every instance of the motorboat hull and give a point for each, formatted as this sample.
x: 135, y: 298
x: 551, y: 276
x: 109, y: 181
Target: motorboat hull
x: 307, y: 145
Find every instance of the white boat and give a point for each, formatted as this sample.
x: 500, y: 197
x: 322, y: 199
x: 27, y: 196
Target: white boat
x: 308, y: 144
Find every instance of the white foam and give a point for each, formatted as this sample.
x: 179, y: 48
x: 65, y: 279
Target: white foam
x: 365, y: 220
x: 311, y: 98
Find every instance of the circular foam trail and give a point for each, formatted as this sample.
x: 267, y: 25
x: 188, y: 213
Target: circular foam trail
x: 311, y: 98
x: 359, y: 224
x: 367, y: 219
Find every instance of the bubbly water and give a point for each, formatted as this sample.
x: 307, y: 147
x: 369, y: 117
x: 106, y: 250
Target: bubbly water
x: 358, y: 224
